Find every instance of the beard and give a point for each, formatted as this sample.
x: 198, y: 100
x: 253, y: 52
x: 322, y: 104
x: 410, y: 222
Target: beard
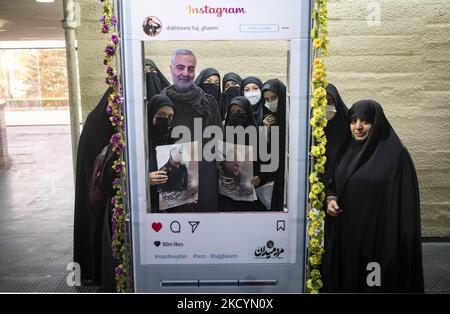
x: 182, y: 84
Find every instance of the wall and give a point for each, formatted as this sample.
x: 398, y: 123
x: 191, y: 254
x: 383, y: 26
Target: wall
x: 91, y: 43
x: 403, y: 63
x: 4, y: 159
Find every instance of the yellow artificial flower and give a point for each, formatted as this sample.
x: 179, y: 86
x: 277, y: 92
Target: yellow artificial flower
x: 317, y: 204
x: 318, y: 132
x: 317, y: 73
x: 317, y: 188
x: 319, y: 92
x: 322, y: 160
x: 314, y: 242
x: 314, y: 260
x: 316, y: 151
x: 319, y: 284
x: 315, y: 273
x: 314, y: 121
x: 316, y: 93
x: 323, y: 101
x: 313, y: 177
x: 317, y: 42
x: 322, y: 149
x: 319, y: 168
x: 319, y: 112
x: 317, y: 62
x: 324, y: 140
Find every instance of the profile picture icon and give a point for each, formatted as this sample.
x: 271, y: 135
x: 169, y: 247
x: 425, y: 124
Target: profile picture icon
x: 152, y: 26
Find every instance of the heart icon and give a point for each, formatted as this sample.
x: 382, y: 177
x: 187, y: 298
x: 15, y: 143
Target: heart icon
x: 156, y: 226
x: 157, y: 243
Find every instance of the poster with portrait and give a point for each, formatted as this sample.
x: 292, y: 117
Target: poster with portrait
x: 236, y: 172
x: 181, y: 167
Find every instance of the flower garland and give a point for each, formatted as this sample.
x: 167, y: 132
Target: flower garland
x: 115, y: 110
x: 317, y: 196
x: 316, y: 215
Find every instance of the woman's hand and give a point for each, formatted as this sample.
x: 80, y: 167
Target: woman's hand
x: 255, y: 181
x: 157, y: 177
x: 333, y: 208
x: 269, y: 120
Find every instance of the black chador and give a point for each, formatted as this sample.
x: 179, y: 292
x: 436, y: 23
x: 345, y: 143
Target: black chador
x: 375, y: 245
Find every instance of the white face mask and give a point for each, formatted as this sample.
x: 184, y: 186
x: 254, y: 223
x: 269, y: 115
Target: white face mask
x: 272, y: 105
x: 330, y: 112
x: 253, y: 97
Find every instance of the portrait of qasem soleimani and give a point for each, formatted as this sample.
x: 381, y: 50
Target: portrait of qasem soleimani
x: 236, y: 172
x: 181, y: 187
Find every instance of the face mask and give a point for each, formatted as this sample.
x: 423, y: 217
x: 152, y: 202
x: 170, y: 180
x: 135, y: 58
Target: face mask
x: 272, y: 105
x: 163, y: 127
x: 212, y: 89
x: 330, y: 112
x: 232, y: 92
x: 253, y: 97
x: 228, y: 95
x: 237, y: 119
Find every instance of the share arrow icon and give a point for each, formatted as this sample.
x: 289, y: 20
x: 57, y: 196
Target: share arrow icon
x: 194, y: 225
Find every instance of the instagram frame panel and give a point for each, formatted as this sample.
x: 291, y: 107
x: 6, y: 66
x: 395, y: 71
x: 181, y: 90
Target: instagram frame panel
x: 201, y: 251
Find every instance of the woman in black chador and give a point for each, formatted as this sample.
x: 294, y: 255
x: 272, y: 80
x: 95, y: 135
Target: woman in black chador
x: 274, y: 115
x: 231, y: 87
x: 239, y: 114
x: 251, y: 88
x: 374, y: 196
x: 160, y: 112
x: 335, y: 131
x: 209, y: 81
x: 88, y: 224
x: 154, y: 79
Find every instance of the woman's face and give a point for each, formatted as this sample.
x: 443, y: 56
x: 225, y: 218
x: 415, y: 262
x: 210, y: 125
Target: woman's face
x: 163, y: 112
x: 236, y: 109
x: 270, y: 96
x: 229, y: 84
x: 360, y: 129
x: 330, y: 100
x: 251, y: 87
x: 149, y: 68
x: 213, y: 79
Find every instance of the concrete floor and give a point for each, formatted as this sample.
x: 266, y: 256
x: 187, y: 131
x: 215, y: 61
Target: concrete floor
x: 36, y: 216
x: 36, y: 210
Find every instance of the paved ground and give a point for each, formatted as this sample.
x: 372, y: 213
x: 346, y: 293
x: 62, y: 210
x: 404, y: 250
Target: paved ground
x: 36, y: 216
x: 36, y: 210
